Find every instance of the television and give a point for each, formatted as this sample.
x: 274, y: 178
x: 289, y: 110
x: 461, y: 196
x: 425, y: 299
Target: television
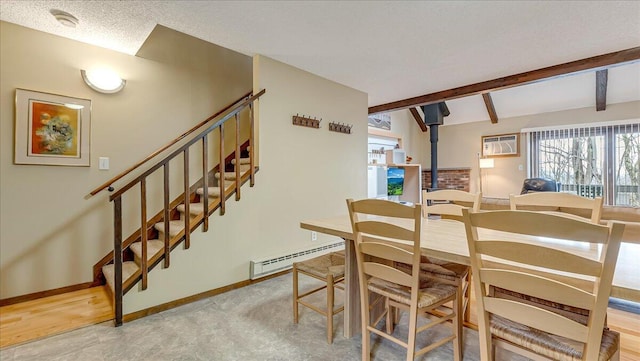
x: 395, y: 181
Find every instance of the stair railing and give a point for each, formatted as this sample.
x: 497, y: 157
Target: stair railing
x: 204, y: 129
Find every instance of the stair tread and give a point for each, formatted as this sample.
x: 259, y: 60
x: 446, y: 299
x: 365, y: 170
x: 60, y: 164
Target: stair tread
x: 242, y: 161
x: 153, y: 246
x: 214, y: 191
x: 194, y: 208
x: 128, y: 269
x: 175, y: 226
x: 232, y: 174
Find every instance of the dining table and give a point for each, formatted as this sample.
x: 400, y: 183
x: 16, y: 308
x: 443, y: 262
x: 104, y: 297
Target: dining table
x: 446, y: 239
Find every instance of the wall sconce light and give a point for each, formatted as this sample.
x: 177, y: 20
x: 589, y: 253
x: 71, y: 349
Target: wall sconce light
x: 484, y: 163
x: 103, y: 80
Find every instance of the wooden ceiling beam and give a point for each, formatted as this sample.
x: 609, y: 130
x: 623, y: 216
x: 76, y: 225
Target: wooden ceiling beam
x: 488, y: 102
x: 594, y: 63
x: 601, y: 89
x: 418, y: 118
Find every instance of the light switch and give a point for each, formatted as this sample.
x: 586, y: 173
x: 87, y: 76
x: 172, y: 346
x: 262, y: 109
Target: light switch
x: 103, y: 163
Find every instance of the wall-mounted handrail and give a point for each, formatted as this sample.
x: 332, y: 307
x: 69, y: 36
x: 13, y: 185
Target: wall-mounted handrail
x: 168, y: 145
x: 217, y: 124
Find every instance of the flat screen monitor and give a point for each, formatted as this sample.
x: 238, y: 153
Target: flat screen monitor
x: 395, y: 181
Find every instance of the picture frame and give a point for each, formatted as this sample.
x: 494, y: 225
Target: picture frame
x: 52, y: 129
x: 380, y: 121
x: 501, y: 145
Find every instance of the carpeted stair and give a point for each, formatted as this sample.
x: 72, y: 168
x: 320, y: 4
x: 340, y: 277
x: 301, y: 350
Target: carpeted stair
x: 155, y: 246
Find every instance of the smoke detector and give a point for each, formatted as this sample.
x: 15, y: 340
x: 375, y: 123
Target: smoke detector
x: 64, y: 18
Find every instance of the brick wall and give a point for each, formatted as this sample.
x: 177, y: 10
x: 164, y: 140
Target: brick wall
x: 450, y: 178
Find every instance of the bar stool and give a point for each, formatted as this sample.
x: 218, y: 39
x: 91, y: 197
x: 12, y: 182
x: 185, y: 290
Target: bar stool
x: 328, y: 268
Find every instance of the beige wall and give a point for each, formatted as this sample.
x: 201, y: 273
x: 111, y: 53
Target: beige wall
x: 304, y: 173
x: 50, y: 235
x: 459, y: 144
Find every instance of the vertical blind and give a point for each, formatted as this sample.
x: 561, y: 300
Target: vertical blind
x: 591, y: 160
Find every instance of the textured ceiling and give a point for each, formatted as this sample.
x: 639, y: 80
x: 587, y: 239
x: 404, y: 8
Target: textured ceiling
x: 391, y: 50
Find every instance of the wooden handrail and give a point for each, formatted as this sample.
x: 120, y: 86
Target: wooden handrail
x: 167, y: 146
x: 217, y: 124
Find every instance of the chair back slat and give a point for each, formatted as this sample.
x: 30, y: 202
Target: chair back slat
x: 380, y: 207
x: 537, y: 224
x: 382, y: 229
x: 540, y: 287
x: 540, y: 257
x: 558, y: 201
x: 456, y: 200
x: 387, y: 273
x: 386, y: 251
x: 537, y: 318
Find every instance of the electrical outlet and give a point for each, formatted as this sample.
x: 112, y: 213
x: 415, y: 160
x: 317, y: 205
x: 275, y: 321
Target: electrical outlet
x: 314, y: 235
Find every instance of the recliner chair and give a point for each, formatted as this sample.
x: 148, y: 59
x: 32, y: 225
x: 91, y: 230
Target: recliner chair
x: 539, y: 185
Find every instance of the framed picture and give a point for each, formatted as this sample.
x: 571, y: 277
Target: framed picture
x: 381, y: 121
x: 502, y: 145
x: 51, y: 129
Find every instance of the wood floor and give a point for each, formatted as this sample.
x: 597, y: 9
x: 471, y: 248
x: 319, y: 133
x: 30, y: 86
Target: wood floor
x: 32, y: 320
x: 48, y: 316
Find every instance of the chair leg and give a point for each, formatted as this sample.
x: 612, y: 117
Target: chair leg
x: 330, y: 295
x: 389, y: 309
x: 295, y: 294
x: 365, y: 315
x: 460, y: 312
x: 456, y: 327
x: 413, y: 327
x: 467, y: 299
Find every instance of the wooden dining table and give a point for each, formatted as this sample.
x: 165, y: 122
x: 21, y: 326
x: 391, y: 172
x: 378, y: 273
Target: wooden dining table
x: 446, y: 239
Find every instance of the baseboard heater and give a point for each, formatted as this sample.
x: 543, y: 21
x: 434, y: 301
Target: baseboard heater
x: 265, y: 267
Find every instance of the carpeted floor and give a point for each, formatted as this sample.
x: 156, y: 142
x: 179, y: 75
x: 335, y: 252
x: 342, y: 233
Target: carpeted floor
x: 251, y: 323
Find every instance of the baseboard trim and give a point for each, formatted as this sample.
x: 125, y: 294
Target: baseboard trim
x: 197, y: 297
x: 42, y: 294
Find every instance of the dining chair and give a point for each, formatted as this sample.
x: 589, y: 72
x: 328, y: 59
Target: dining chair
x: 448, y: 204
x: 558, y: 202
x: 387, y: 232
x: 328, y: 268
x: 530, y: 328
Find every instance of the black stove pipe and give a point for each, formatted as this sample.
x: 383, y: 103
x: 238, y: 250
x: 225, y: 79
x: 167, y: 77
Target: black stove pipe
x: 433, y: 137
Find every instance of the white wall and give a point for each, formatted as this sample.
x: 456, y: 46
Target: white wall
x: 304, y: 173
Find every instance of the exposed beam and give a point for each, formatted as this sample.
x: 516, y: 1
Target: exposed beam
x: 594, y: 63
x: 418, y: 118
x: 601, y: 89
x: 488, y: 102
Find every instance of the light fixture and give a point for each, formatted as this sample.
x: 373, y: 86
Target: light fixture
x: 484, y: 163
x: 73, y: 106
x: 64, y: 18
x: 103, y: 80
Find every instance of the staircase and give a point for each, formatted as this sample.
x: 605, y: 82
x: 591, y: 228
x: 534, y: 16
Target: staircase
x: 133, y: 257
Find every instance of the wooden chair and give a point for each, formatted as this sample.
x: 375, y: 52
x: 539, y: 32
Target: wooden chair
x: 378, y: 245
x: 531, y: 328
x: 328, y: 268
x: 557, y: 202
x: 448, y: 204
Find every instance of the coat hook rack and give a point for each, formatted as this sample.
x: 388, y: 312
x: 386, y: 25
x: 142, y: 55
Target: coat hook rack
x: 306, y: 121
x: 340, y: 128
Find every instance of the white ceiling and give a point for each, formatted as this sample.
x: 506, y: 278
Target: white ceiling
x: 391, y: 50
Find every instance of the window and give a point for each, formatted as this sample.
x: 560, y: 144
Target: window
x: 593, y: 160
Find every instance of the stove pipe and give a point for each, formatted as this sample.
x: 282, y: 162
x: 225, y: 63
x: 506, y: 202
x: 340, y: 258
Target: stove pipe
x: 434, y: 117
